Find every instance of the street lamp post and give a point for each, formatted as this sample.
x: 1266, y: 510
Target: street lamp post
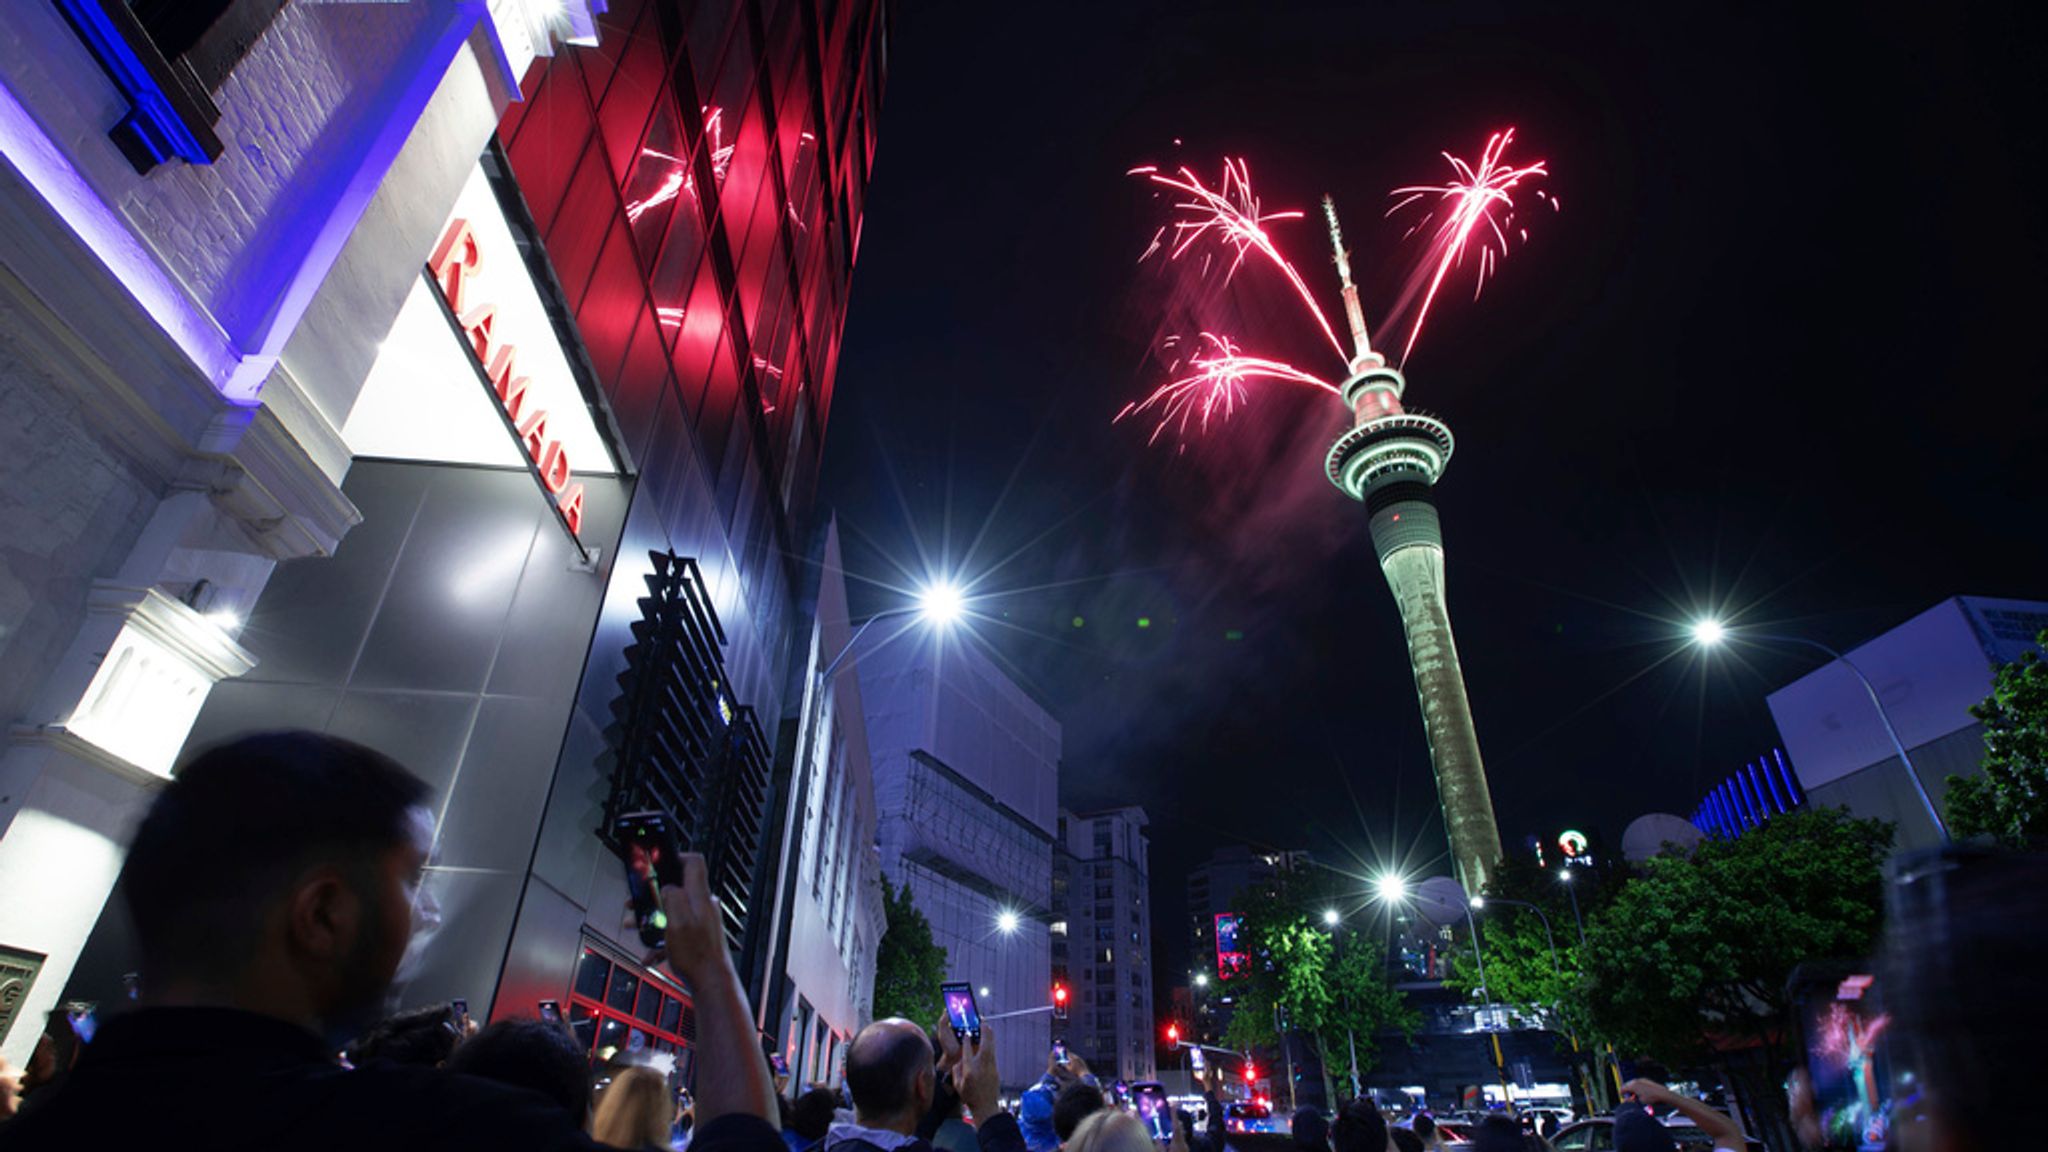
x: 1565, y: 876
x: 1708, y: 633
x: 1334, y: 921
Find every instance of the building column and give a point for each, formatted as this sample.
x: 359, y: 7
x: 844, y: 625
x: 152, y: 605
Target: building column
x: 117, y: 710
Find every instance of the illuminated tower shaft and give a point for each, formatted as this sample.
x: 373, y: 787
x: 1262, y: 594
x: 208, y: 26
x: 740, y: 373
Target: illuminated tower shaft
x: 1390, y: 460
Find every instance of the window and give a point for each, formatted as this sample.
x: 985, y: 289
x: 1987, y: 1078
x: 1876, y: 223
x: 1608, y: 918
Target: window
x: 1058, y: 928
x: 614, y: 1007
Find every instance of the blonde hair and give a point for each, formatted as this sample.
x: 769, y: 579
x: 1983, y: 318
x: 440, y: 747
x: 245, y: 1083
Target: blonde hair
x: 1110, y: 1131
x: 635, y: 1111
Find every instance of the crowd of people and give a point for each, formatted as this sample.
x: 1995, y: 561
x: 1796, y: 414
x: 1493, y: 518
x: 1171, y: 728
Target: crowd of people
x: 274, y: 888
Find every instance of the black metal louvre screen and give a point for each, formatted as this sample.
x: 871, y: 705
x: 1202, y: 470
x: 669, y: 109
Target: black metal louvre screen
x: 681, y: 745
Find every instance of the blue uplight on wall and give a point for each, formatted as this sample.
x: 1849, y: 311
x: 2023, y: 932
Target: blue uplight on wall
x: 1752, y: 795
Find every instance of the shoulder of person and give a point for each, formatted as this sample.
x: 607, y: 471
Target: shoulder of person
x: 738, y: 1132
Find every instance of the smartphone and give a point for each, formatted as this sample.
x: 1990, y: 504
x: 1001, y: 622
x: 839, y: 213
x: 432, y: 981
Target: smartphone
x: 551, y: 1011
x: 1153, y: 1110
x: 961, y: 1011
x: 1842, y: 1026
x: 653, y: 862
x: 461, y: 1008
x: 84, y: 1018
x: 1059, y: 1051
x: 778, y: 1064
x: 1198, y: 1060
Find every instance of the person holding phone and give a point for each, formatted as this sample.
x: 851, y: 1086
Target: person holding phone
x: 275, y: 885
x: 892, y: 1073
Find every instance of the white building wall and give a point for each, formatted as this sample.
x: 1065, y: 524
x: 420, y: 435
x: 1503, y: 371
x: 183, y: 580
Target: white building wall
x: 971, y: 839
x: 167, y: 460
x: 836, y: 925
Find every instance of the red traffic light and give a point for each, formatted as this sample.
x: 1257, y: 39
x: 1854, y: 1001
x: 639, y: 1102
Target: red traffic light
x: 1251, y: 1072
x: 1059, y: 993
x: 1173, y: 1035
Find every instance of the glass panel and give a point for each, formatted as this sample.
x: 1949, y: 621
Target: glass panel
x: 624, y: 986
x: 658, y: 180
x: 611, y: 1037
x: 671, y: 1014
x: 591, y: 972
x: 583, y: 1024
x: 648, y: 1009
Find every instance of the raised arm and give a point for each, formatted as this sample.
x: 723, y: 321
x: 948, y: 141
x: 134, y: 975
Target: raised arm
x: 732, y: 1075
x: 1725, y: 1131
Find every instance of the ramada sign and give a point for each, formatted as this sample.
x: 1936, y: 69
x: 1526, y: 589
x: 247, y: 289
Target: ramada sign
x: 455, y: 259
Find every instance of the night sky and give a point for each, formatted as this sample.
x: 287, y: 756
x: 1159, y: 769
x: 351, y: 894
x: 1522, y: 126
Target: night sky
x: 1780, y: 354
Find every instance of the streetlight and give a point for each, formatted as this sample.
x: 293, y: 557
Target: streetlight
x: 1330, y: 917
x: 940, y: 604
x: 1392, y: 888
x: 1202, y: 980
x: 1007, y: 922
x: 1564, y: 875
x: 1708, y: 633
x: 1481, y: 902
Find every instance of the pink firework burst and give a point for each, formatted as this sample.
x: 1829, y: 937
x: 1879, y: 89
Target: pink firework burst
x: 1212, y: 386
x: 1230, y: 215
x: 1472, y: 213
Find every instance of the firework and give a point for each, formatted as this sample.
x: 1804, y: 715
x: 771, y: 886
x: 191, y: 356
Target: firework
x: 1471, y: 214
x: 1212, y: 387
x: 1230, y: 214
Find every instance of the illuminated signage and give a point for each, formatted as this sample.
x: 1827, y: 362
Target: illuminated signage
x: 454, y: 262
x: 1231, y: 958
x: 1572, y: 844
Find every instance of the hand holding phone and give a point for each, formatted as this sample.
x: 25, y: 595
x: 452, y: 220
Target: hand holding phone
x: 551, y: 1011
x: 1153, y: 1110
x: 653, y: 863
x: 1843, y: 1025
x: 961, y: 1011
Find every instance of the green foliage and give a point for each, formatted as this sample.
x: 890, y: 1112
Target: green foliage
x: 1521, y: 968
x: 2009, y: 801
x: 909, y: 965
x: 1330, y: 991
x: 1697, y: 949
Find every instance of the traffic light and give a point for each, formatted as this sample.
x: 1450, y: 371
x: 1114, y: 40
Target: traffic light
x: 1251, y: 1072
x: 1059, y: 1001
x: 1173, y: 1036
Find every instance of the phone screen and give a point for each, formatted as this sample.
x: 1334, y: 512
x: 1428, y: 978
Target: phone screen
x: 551, y: 1011
x: 1153, y: 1110
x: 1059, y: 1051
x: 1843, y: 1021
x: 85, y: 1021
x: 461, y: 1008
x: 961, y: 1012
x: 1198, y: 1060
x: 652, y: 863
x: 777, y: 1064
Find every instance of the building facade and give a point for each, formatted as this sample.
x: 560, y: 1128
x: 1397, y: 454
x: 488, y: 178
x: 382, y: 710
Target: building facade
x: 966, y: 769
x: 566, y: 377
x: 1927, y: 673
x: 1109, y: 948
x: 829, y: 912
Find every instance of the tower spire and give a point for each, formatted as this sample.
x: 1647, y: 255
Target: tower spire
x: 1362, y: 352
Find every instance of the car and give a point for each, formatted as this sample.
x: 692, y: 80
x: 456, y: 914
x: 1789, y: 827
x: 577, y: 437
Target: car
x: 1253, y: 1116
x: 1597, y: 1135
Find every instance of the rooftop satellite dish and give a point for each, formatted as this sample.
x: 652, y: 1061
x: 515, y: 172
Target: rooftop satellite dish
x: 1440, y: 900
x: 1648, y: 835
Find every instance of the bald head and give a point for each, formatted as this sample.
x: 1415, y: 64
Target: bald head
x: 889, y: 1071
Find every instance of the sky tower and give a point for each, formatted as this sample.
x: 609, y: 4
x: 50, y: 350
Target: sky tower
x: 1389, y: 460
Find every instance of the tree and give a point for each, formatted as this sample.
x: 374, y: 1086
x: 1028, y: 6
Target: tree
x: 2009, y: 800
x: 1689, y: 963
x: 909, y: 966
x: 1300, y: 979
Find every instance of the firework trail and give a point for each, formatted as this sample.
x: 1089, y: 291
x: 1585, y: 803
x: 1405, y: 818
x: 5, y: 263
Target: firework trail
x: 1474, y: 212
x: 1213, y: 386
x: 1230, y: 214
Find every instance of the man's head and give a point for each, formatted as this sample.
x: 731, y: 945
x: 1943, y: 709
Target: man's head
x: 1424, y: 1125
x: 301, y: 856
x: 536, y: 1055
x: 811, y: 1116
x: 1311, y: 1132
x: 422, y: 1037
x: 1635, y: 1130
x: 1075, y: 1103
x: 1360, y: 1128
x: 891, y: 1075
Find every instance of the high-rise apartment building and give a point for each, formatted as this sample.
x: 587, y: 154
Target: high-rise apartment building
x: 539, y: 354
x: 1108, y: 917
x: 966, y: 768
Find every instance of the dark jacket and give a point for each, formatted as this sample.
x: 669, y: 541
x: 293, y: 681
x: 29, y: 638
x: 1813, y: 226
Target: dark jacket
x: 998, y: 1133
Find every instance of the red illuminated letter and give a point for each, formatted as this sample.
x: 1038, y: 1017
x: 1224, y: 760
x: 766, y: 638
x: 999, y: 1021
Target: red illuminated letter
x: 533, y: 431
x: 554, y: 467
x: 511, y: 388
x: 455, y: 257
x: 572, y: 509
